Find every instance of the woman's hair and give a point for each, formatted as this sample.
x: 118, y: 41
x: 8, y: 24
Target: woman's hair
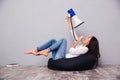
x: 93, y: 47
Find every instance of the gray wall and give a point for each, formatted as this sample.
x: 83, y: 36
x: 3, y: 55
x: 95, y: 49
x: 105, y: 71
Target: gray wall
x: 25, y: 24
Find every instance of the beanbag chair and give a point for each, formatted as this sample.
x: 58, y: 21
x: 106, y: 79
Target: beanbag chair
x: 82, y: 62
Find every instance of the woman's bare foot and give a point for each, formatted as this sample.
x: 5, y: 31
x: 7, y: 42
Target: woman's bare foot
x: 44, y: 52
x: 33, y: 51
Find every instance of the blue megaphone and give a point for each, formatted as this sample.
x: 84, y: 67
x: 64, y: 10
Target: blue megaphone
x: 76, y: 21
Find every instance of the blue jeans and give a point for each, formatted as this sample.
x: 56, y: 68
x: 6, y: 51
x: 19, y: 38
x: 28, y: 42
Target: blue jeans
x: 58, y: 48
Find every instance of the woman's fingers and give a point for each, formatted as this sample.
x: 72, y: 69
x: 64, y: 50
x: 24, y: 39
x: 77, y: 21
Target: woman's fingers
x: 67, y: 18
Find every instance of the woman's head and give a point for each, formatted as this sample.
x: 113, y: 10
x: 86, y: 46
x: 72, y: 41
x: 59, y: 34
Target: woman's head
x: 93, y: 46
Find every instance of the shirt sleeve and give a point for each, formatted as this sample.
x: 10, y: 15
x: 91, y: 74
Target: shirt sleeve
x: 78, y: 50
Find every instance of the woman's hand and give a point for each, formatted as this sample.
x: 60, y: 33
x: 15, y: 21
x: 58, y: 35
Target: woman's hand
x: 68, y: 19
x: 80, y: 38
x: 77, y: 42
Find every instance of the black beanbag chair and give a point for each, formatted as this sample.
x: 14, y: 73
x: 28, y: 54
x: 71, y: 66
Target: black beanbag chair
x: 82, y: 62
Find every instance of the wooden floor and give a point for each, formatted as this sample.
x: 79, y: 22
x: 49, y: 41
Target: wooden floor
x: 106, y: 72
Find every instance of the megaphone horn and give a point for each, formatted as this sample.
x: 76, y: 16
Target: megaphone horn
x: 76, y: 21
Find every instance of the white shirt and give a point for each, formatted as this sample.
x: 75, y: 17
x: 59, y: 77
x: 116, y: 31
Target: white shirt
x: 74, y: 52
x: 80, y: 49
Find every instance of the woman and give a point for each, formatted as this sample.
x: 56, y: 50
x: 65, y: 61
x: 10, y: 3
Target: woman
x: 58, y: 48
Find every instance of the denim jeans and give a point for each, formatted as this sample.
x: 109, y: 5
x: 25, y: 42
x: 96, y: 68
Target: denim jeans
x: 58, y: 48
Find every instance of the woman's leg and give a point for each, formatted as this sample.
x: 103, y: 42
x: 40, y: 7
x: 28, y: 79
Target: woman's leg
x: 59, y: 49
x: 44, y: 46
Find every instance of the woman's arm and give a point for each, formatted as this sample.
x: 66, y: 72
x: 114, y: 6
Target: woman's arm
x: 69, y: 21
x: 77, y: 42
x: 79, y: 50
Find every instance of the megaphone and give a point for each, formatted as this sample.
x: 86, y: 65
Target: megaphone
x: 75, y: 20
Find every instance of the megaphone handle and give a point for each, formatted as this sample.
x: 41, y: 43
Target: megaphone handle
x: 73, y: 33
